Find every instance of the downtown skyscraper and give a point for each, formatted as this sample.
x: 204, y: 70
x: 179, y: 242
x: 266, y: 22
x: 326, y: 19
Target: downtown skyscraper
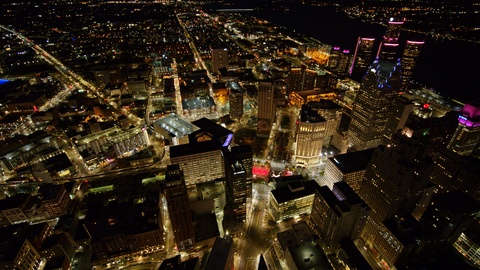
x: 372, y: 106
x: 394, y: 182
x: 409, y: 59
x: 267, y: 105
x: 388, y: 48
x: 363, y: 56
x: 180, y: 215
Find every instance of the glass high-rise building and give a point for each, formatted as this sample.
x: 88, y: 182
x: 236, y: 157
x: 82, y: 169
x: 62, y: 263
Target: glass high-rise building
x: 372, y: 106
x: 411, y: 52
x: 238, y: 179
x: 363, y: 55
x: 466, y: 139
x: 388, y: 49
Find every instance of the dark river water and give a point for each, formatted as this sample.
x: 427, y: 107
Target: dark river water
x: 447, y: 66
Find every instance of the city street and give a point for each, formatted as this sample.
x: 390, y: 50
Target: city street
x: 256, y: 238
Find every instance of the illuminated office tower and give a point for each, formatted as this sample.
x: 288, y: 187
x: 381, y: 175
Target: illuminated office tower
x: 177, y: 202
x: 337, y: 214
x: 236, y: 188
x: 310, y: 135
x: 301, y: 78
x: 372, y: 106
x: 266, y: 107
x: 200, y: 161
x: 334, y: 58
x: 393, y: 184
x: 409, y: 59
x: 219, y: 58
x: 332, y: 112
x: 344, y: 63
x: 466, y: 139
x: 244, y: 153
x: 235, y: 99
x: 388, y: 49
x: 363, y: 56
x: 238, y: 179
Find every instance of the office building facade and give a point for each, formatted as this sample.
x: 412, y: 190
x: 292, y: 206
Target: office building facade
x: 447, y: 216
x: 337, y: 214
x: 266, y: 108
x: 363, y: 56
x: 409, y: 59
x: 389, y: 46
x: 236, y: 185
x: 310, y: 135
x: 301, y: 78
x: 372, y: 106
x: 200, y: 161
x: 235, y: 99
x: 292, y: 200
x: 394, y: 182
x: 178, y: 211
x: 402, y: 106
x: 452, y: 171
x: 466, y: 139
x: 332, y: 113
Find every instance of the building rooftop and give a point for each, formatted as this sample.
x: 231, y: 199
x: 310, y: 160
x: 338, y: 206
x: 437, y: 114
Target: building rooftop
x: 341, y: 198
x: 207, y: 227
x: 324, y: 104
x: 353, y: 161
x: 235, y: 86
x: 175, y: 125
x: 175, y: 263
x: 121, y: 218
x: 456, y: 203
x: 195, y: 148
x: 13, y: 201
x: 407, y: 230
x: 12, y: 238
x: 214, y: 130
x: 309, y: 255
x: 353, y: 256
x: 219, y: 254
x: 294, y: 190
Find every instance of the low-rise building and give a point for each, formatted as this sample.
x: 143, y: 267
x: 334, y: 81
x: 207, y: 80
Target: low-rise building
x: 293, y: 200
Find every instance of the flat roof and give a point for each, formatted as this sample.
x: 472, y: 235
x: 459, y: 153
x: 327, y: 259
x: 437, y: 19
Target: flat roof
x: 195, y: 148
x: 308, y: 255
x: 175, y: 125
x: 353, y: 161
x: 284, y: 194
x: 219, y: 255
